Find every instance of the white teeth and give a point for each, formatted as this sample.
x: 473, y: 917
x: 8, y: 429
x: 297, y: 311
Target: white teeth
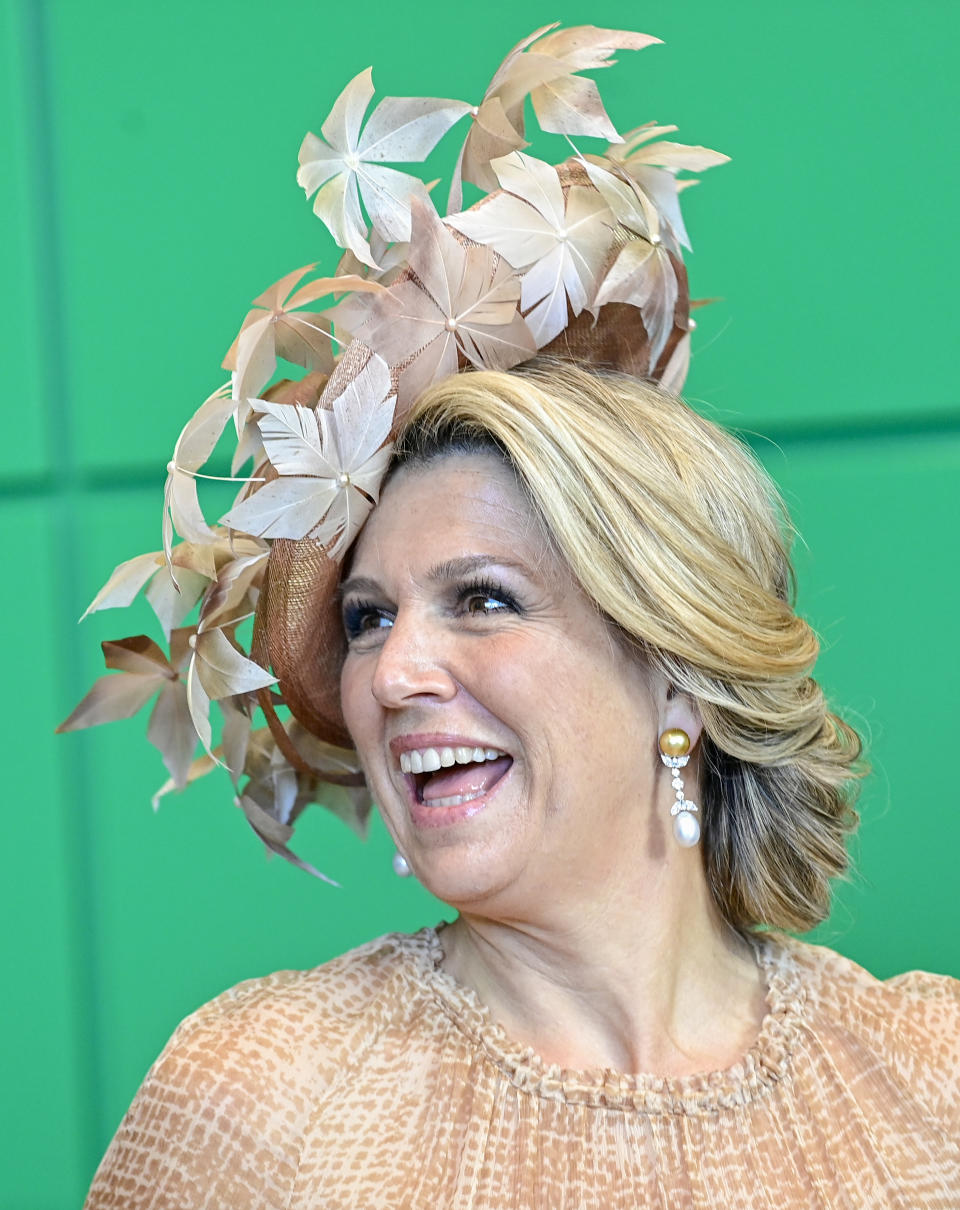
x: 428, y: 760
x: 453, y: 800
x: 411, y: 762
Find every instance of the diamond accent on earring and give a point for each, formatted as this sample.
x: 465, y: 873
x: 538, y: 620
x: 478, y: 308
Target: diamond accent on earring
x: 686, y: 826
x: 683, y: 804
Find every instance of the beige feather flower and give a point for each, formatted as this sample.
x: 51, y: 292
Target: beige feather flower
x: 347, y: 164
x: 330, y: 463
x: 461, y: 302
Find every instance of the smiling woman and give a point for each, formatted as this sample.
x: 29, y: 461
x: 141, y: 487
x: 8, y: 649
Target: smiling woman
x: 673, y: 530
x: 541, y: 612
x: 567, y: 624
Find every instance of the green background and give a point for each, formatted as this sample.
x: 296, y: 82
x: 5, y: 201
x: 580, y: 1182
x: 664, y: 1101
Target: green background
x: 149, y: 194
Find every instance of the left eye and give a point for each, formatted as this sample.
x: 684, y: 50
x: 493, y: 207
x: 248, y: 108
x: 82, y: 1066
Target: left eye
x: 484, y: 598
x: 483, y: 603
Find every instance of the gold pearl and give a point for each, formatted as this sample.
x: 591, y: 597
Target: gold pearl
x: 674, y: 742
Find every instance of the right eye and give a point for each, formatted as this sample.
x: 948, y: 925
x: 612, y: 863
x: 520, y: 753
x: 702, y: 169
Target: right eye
x: 361, y: 618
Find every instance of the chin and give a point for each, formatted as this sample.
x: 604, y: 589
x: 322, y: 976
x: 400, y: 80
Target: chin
x: 467, y: 877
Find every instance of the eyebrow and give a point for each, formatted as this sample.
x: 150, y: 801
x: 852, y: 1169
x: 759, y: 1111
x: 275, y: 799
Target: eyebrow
x: 448, y: 569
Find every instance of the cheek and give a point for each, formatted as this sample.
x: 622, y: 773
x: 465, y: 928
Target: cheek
x: 356, y: 700
x: 554, y: 703
x: 598, y: 717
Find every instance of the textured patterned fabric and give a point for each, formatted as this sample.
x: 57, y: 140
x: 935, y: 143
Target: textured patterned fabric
x: 377, y: 1081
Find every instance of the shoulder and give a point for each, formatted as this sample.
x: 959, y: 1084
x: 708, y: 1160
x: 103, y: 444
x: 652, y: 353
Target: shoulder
x: 919, y: 1005
x: 294, y: 1015
x: 910, y: 1022
x: 221, y: 1116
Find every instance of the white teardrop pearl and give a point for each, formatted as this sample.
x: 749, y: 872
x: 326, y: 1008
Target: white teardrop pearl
x: 686, y: 829
x: 400, y: 867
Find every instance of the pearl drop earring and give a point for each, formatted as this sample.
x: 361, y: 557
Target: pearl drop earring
x: 675, y: 753
x: 400, y: 867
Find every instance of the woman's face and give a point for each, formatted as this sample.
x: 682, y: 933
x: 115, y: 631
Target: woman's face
x: 469, y: 641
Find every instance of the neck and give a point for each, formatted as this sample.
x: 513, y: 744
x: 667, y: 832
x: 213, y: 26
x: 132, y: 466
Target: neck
x: 646, y: 982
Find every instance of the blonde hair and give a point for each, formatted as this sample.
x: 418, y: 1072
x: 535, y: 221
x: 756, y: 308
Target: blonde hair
x: 680, y: 538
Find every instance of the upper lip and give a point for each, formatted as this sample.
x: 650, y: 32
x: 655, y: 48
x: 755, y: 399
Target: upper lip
x: 435, y: 739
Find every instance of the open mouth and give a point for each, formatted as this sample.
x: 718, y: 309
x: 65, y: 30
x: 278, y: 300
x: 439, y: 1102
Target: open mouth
x: 449, y: 777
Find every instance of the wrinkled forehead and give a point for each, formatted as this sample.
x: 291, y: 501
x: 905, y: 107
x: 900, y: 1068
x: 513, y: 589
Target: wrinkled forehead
x: 445, y: 508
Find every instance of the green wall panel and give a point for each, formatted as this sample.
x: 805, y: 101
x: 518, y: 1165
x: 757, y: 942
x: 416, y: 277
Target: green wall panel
x: 26, y: 327
x: 819, y: 233
x: 45, y: 1075
x: 879, y: 582
x: 178, y: 163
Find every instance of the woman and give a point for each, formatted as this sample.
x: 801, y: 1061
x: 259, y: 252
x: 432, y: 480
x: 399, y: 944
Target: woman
x: 572, y: 572
x: 541, y: 613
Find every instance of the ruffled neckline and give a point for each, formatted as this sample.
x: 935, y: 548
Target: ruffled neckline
x: 765, y: 1063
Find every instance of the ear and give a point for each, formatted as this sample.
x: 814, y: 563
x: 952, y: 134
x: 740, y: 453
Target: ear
x: 680, y: 710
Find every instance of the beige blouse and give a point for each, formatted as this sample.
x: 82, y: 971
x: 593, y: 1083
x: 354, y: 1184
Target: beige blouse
x: 377, y: 1081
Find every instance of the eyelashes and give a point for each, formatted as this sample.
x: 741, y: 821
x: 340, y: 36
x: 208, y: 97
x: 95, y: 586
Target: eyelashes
x: 484, y: 589
x: 472, y: 599
x: 362, y: 617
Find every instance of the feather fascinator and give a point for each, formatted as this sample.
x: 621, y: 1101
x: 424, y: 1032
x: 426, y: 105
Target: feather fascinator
x: 583, y: 260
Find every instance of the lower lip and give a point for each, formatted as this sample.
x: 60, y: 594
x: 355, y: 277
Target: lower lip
x: 423, y: 816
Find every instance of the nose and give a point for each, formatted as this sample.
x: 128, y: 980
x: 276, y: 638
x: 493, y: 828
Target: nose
x: 411, y: 665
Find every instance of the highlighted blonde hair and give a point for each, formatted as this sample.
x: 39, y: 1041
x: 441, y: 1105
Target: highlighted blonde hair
x: 680, y: 538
